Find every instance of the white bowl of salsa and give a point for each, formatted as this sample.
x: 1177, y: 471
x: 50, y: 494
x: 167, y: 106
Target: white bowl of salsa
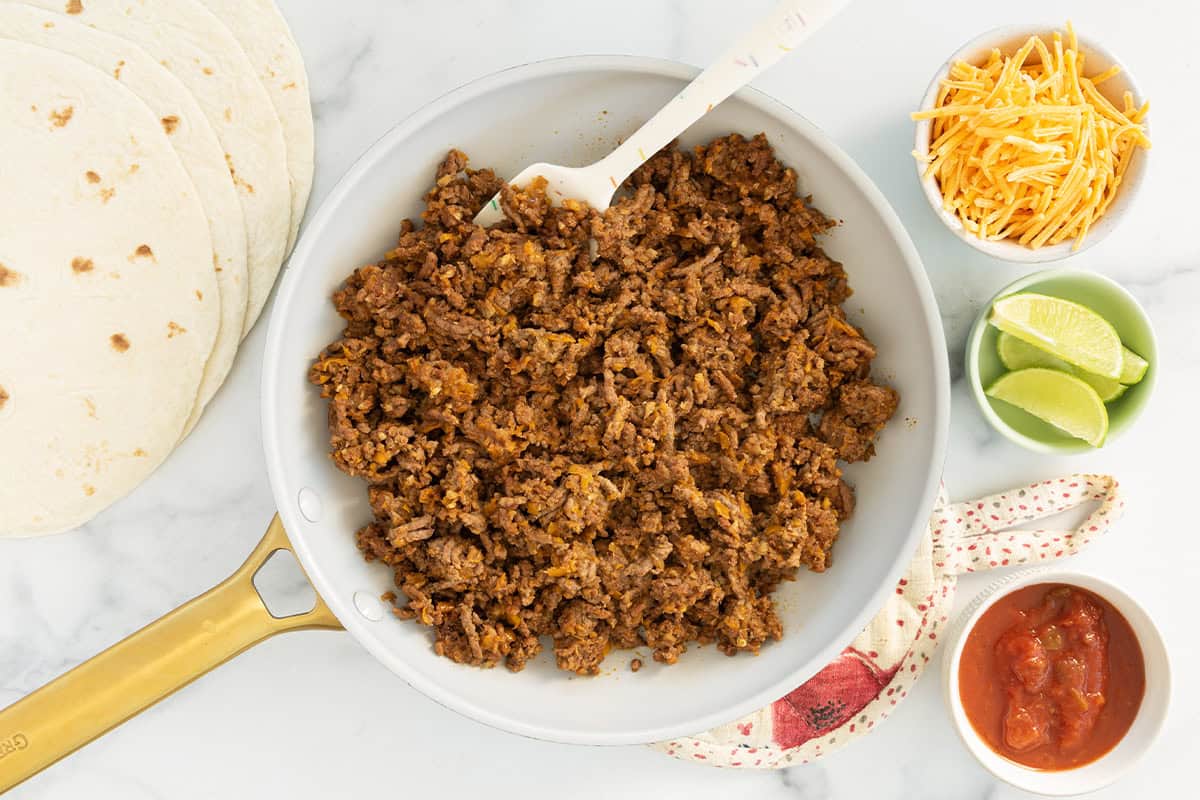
x: 1057, y: 682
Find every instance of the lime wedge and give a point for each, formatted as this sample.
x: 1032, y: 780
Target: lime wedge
x: 1107, y: 388
x: 1016, y: 354
x: 1072, y: 332
x: 1063, y: 400
x: 1133, y: 367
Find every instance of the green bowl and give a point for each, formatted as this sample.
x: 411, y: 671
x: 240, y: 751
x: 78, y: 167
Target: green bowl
x: 1104, y: 296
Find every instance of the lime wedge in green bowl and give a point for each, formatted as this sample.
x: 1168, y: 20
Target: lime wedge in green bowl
x: 1016, y: 354
x: 1133, y: 368
x: 1068, y: 330
x: 1066, y: 402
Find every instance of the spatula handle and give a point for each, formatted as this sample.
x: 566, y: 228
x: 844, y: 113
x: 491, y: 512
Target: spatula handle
x: 137, y: 672
x: 777, y: 34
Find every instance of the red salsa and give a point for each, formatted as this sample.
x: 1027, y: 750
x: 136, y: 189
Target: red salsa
x: 1051, y: 676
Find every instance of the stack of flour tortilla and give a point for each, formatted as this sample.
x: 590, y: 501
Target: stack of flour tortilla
x: 155, y: 161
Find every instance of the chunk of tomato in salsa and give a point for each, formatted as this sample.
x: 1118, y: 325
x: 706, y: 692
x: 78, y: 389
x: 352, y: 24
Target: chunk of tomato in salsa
x: 1054, y: 666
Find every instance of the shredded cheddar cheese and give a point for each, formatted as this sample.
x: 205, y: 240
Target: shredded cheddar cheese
x: 1027, y: 148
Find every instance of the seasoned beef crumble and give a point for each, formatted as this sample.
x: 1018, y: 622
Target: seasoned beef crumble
x: 610, y: 452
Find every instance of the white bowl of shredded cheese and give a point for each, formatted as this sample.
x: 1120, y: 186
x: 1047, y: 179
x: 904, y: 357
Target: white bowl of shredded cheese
x: 1029, y: 163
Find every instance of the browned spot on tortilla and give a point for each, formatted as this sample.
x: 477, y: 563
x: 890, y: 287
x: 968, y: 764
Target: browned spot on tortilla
x: 134, y: 168
x: 207, y: 71
x: 117, y: 69
x: 237, y: 179
x: 290, y: 85
x: 88, y: 489
x: 143, y: 251
x: 119, y: 342
x: 62, y: 116
x: 107, y: 194
x: 33, y: 107
x: 3, y: 397
x: 174, y: 329
x: 199, y: 295
x: 74, y: 7
x: 139, y: 453
x: 80, y: 264
x: 229, y: 115
x: 92, y: 177
x: 47, y: 24
x: 9, y: 277
x: 170, y: 123
x: 91, y: 407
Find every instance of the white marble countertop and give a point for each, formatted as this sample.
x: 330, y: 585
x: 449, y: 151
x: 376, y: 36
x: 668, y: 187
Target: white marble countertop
x: 312, y: 715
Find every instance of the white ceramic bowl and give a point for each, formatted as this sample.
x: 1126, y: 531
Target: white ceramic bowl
x: 572, y: 111
x: 1097, y: 59
x: 1109, y: 767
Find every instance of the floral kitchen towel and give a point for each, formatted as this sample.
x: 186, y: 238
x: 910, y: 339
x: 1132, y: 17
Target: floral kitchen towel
x: 855, y: 693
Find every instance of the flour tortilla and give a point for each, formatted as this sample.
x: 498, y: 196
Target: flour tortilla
x: 193, y: 139
x: 193, y: 44
x: 108, y: 300
x: 263, y: 33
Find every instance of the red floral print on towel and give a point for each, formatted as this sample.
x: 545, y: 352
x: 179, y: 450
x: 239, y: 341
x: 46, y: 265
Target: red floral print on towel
x: 829, y: 698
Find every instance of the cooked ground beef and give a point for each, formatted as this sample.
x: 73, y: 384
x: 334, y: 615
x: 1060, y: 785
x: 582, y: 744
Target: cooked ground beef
x: 612, y: 451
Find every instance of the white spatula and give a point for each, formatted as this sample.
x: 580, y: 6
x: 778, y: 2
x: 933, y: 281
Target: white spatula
x: 785, y: 27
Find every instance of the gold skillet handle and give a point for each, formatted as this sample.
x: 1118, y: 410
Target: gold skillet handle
x: 137, y: 672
